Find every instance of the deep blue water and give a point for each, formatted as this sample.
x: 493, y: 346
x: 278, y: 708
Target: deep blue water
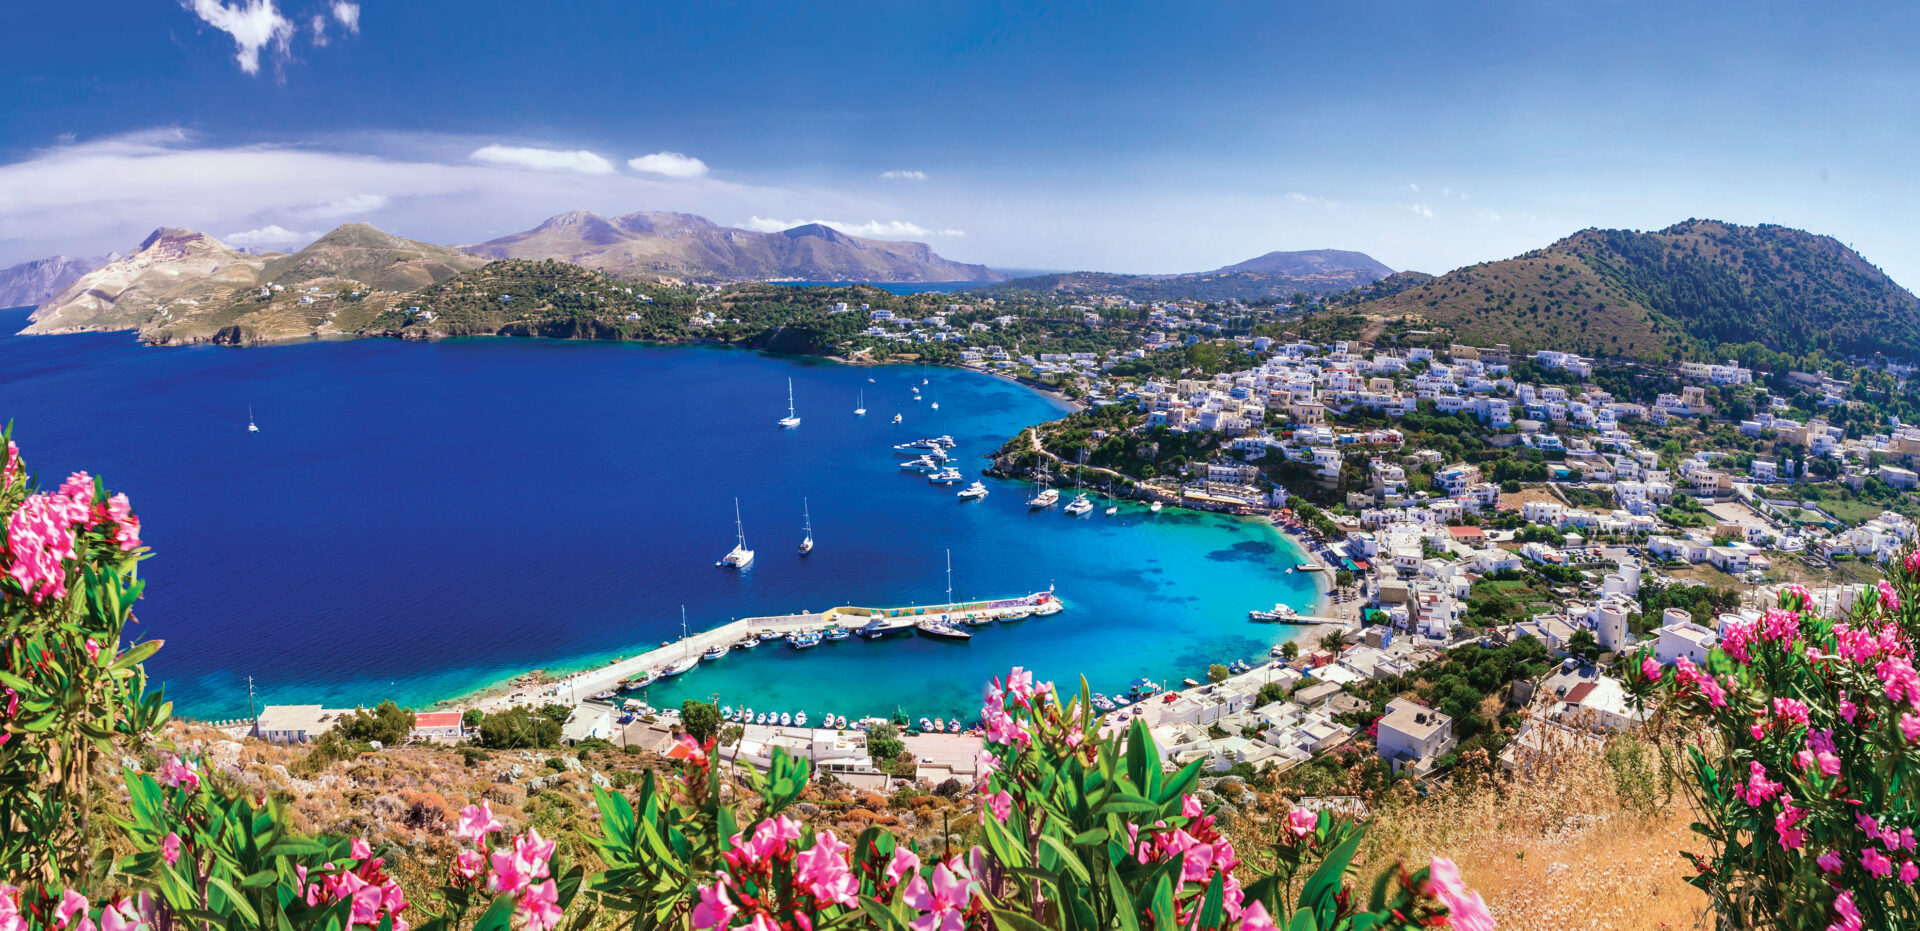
x: 416, y: 520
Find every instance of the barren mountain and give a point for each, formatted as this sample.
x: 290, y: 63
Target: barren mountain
x: 659, y: 244
x: 174, y: 269
x: 29, y: 283
x: 360, y: 253
x: 1274, y: 276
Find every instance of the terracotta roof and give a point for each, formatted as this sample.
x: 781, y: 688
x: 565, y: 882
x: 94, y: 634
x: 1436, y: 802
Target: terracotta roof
x: 1466, y: 532
x: 436, y: 719
x: 1578, y: 693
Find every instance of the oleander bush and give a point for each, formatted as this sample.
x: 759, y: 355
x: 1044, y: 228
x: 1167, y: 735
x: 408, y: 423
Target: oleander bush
x: 1798, y: 743
x: 1084, y: 828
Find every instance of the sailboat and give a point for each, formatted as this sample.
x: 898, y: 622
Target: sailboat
x: 251, y: 426
x: 740, y: 557
x: 806, y: 545
x: 789, y: 421
x: 688, y: 660
x: 1047, y: 496
x: 943, y: 626
x: 936, y: 402
x: 861, y: 411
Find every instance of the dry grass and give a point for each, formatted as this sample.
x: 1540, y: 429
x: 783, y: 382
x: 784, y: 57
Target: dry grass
x: 1553, y: 849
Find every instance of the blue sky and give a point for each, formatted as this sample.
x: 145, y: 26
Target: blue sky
x: 1115, y: 136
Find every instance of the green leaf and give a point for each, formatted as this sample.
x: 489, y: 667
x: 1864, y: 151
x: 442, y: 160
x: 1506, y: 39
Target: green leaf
x: 1014, y: 921
x: 497, y: 916
x: 1068, y: 857
x: 1327, y: 880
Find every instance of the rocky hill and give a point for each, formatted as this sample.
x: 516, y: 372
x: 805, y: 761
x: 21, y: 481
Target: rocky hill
x: 1276, y: 276
x: 29, y: 283
x: 360, y: 253
x: 173, y: 270
x: 1685, y: 291
x: 515, y: 297
x: 680, y: 245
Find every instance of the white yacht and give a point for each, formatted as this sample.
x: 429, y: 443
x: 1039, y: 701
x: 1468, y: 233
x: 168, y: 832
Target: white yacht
x: 1154, y: 507
x: 946, y: 476
x: 1279, y: 612
x: 861, y: 410
x: 790, y: 421
x: 687, y: 660
x: 1080, y: 505
x: 896, y: 418
x: 740, y: 557
x: 251, y: 426
x: 806, y: 514
x: 975, y: 490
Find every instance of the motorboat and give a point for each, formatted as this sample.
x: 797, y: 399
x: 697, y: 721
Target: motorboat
x: 800, y: 719
x: 747, y: 643
x: 1279, y: 612
x: 939, y: 724
x: 953, y: 726
x: 1079, y: 506
x: 1048, y: 609
x: 945, y: 440
x: 790, y: 421
x: 803, y: 640
x: 924, y: 444
x: 925, y: 725
x: 603, y: 695
x: 881, y: 627
x: 896, y: 418
x: 1154, y: 507
x: 941, y: 630
x: 785, y: 719
x: 835, y: 633
x: 760, y: 718
x: 739, y: 557
x: 769, y: 635
x: 715, y: 653
x: 924, y: 464
x: 975, y: 490
x: 1016, y: 615
x: 946, y: 476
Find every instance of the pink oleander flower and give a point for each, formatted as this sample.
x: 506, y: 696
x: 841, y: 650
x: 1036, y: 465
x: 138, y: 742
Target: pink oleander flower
x: 823, y: 869
x: 1790, y: 712
x: 12, y: 467
x: 1000, y: 805
x: 507, y: 875
x: 1829, y: 861
x: 1889, y: 599
x: 126, y: 526
x: 715, y: 910
x: 174, y: 773
x: 941, y: 905
x: 1256, y: 918
x: 1650, y: 669
x: 1900, y: 679
x: 359, y: 849
x: 170, y: 849
x: 1020, y: 684
x: 1875, y: 862
x: 1850, y: 917
x: 531, y: 854
x: 769, y: 838
x: 539, y: 906
x: 1791, y: 838
x: 476, y: 822
x: 1190, y: 806
x: 122, y: 915
x: 1848, y: 710
x: 1465, y: 909
x: 10, y: 918
x: 1909, y: 872
x: 39, y: 537
x: 470, y: 864
x: 1757, y: 790
x: 71, y: 903
x: 1302, y: 822
x: 1910, y: 727
x: 904, y: 864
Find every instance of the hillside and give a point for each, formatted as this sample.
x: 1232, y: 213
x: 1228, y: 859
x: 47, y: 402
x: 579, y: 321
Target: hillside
x: 1683, y: 291
x: 1276, y: 276
x: 516, y: 297
x: 680, y: 245
x: 173, y: 270
x: 30, y: 283
x: 360, y: 253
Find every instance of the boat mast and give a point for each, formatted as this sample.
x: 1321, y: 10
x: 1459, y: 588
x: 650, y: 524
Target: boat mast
x: 806, y: 515
x: 789, y: 397
x: 739, y: 529
x: 949, y: 585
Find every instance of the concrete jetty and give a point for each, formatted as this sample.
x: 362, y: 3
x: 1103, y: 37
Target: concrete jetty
x: 582, y: 686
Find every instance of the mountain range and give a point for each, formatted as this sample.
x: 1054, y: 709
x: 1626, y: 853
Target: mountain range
x: 29, y: 283
x: 1694, y: 289
x: 1276, y: 276
x: 681, y: 245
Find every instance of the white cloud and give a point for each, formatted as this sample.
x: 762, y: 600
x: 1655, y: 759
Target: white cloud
x: 671, y: 164
x: 319, y: 26
x: 1300, y: 198
x: 1413, y: 187
x: 351, y: 205
x: 348, y: 14
x: 872, y: 229
x: 543, y: 159
x: 1420, y: 210
x: 904, y: 175
x: 269, y: 235
x: 253, y: 24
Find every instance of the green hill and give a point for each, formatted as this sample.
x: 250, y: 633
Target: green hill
x: 1684, y: 291
x: 359, y: 252
x: 517, y: 297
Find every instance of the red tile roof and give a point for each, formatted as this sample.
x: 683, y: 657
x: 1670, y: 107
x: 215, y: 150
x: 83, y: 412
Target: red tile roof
x: 1578, y: 693
x: 1466, y: 532
x: 436, y: 719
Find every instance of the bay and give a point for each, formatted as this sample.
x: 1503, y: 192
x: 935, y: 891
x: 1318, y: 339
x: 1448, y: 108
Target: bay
x: 418, y: 520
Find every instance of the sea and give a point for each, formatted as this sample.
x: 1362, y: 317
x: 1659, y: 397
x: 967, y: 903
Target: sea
x: 418, y: 520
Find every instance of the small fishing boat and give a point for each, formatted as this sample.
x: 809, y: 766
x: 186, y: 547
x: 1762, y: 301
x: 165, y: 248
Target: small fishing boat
x: 643, y: 680
x: 800, y: 719
x: 896, y: 418
x: 803, y: 640
x: 1016, y: 615
x: 835, y: 633
x: 953, y: 726
x: 603, y: 696
x: 760, y: 719
x: 715, y: 653
x: 978, y: 620
x: 769, y: 635
x: 785, y: 719
x: 939, y: 724
x: 726, y: 712
x: 1190, y: 683
x: 925, y: 725
x: 975, y: 490
x: 747, y: 643
x: 1154, y: 507
x: 1049, y: 609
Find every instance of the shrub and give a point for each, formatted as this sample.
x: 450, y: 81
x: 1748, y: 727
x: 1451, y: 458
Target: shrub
x: 388, y: 723
x: 1798, y: 754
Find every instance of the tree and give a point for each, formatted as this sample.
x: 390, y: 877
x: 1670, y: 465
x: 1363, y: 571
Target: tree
x: 883, y: 744
x: 518, y: 728
x: 1335, y: 640
x: 1343, y: 579
x: 471, y: 718
x: 1218, y: 673
x: 701, y: 719
x: 387, y: 723
x: 1289, y: 650
x: 1584, y: 645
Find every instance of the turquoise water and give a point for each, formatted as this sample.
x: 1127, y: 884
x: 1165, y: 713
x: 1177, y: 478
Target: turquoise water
x: 416, y: 520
